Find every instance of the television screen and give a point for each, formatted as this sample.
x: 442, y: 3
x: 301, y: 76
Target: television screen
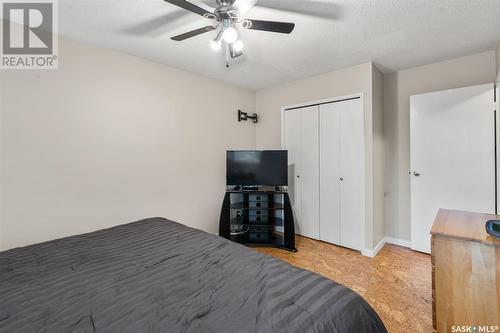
x: 257, y: 167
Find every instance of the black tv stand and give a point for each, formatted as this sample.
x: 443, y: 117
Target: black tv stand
x: 247, y: 188
x: 258, y: 217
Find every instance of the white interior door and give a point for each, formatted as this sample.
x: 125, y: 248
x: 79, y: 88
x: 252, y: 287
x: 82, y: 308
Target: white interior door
x: 452, y: 156
x: 329, y: 124
x: 303, y: 140
x: 352, y: 173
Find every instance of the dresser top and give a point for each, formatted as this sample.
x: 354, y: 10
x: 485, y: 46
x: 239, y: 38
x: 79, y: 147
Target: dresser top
x: 464, y: 225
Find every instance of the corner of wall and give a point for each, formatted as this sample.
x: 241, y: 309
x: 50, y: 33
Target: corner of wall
x: 398, y: 87
x: 378, y: 155
x: 497, y: 59
x: 1, y: 173
x: 390, y: 136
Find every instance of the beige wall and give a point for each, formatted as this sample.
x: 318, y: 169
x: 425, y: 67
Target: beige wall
x: 390, y: 175
x: 356, y: 79
x: 108, y: 139
x: 398, y: 87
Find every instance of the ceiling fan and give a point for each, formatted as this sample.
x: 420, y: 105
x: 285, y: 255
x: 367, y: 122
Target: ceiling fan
x: 228, y: 17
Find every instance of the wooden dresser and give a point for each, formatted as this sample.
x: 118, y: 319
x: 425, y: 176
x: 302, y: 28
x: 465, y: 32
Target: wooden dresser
x: 465, y: 273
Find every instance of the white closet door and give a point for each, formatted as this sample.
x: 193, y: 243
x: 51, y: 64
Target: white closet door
x: 329, y: 122
x: 352, y: 173
x: 293, y: 145
x: 302, y: 143
x: 452, y: 156
x: 342, y: 173
x: 309, y: 172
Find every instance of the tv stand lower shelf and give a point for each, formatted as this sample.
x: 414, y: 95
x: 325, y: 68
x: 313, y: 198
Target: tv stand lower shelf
x: 258, y: 218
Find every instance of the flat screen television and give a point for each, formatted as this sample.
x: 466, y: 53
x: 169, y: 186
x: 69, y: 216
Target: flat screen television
x: 257, y: 167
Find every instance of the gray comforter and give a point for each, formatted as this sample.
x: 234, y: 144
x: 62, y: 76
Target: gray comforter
x: 156, y: 275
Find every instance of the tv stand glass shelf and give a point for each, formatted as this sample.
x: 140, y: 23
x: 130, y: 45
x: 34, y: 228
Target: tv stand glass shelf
x: 258, y: 217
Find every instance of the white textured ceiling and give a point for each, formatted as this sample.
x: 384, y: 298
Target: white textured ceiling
x: 329, y: 35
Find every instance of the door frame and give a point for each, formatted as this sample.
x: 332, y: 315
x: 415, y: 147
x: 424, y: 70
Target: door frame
x: 283, y: 109
x: 496, y: 168
x: 316, y: 102
x: 496, y: 99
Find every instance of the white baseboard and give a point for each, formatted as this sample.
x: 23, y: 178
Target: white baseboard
x: 397, y: 241
x: 389, y: 240
x: 373, y: 252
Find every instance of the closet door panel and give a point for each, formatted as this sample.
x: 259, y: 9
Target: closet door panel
x: 329, y: 123
x: 309, y: 172
x: 293, y: 145
x: 352, y: 186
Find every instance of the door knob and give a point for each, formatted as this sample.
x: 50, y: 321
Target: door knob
x: 341, y: 179
x: 298, y: 176
x: 416, y: 173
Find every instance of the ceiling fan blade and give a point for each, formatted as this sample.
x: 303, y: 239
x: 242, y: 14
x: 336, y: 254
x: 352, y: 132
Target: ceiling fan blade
x: 193, y: 33
x: 272, y: 26
x: 192, y: 8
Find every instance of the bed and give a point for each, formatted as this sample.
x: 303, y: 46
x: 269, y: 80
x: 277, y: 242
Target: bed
x: 156, y: 275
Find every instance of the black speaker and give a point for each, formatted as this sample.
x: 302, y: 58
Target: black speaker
x: 264, y: 219
x: 261, y: 197
x: 257, y: 234
x: 258, y: 204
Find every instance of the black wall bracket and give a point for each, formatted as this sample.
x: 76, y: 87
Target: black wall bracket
x: 244, y: 116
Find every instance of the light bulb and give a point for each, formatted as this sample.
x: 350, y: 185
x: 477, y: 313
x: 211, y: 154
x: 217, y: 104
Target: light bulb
x: 238, y: 46
x: 230, y: 35
x: 216, y: 45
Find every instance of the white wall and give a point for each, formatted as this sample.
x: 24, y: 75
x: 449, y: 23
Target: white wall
x: 398, y: 87
x: 108, y: 139
x: 355, y: 79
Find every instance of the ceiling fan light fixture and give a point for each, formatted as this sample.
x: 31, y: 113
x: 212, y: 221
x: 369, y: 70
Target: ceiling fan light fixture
x: 215, y: 45
x: 230, y: 35
x: 235, y: 52
x: 238, y: 46
x: 227, y: 17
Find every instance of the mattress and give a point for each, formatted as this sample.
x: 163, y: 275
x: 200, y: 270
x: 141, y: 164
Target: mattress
x: 156, y: 275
